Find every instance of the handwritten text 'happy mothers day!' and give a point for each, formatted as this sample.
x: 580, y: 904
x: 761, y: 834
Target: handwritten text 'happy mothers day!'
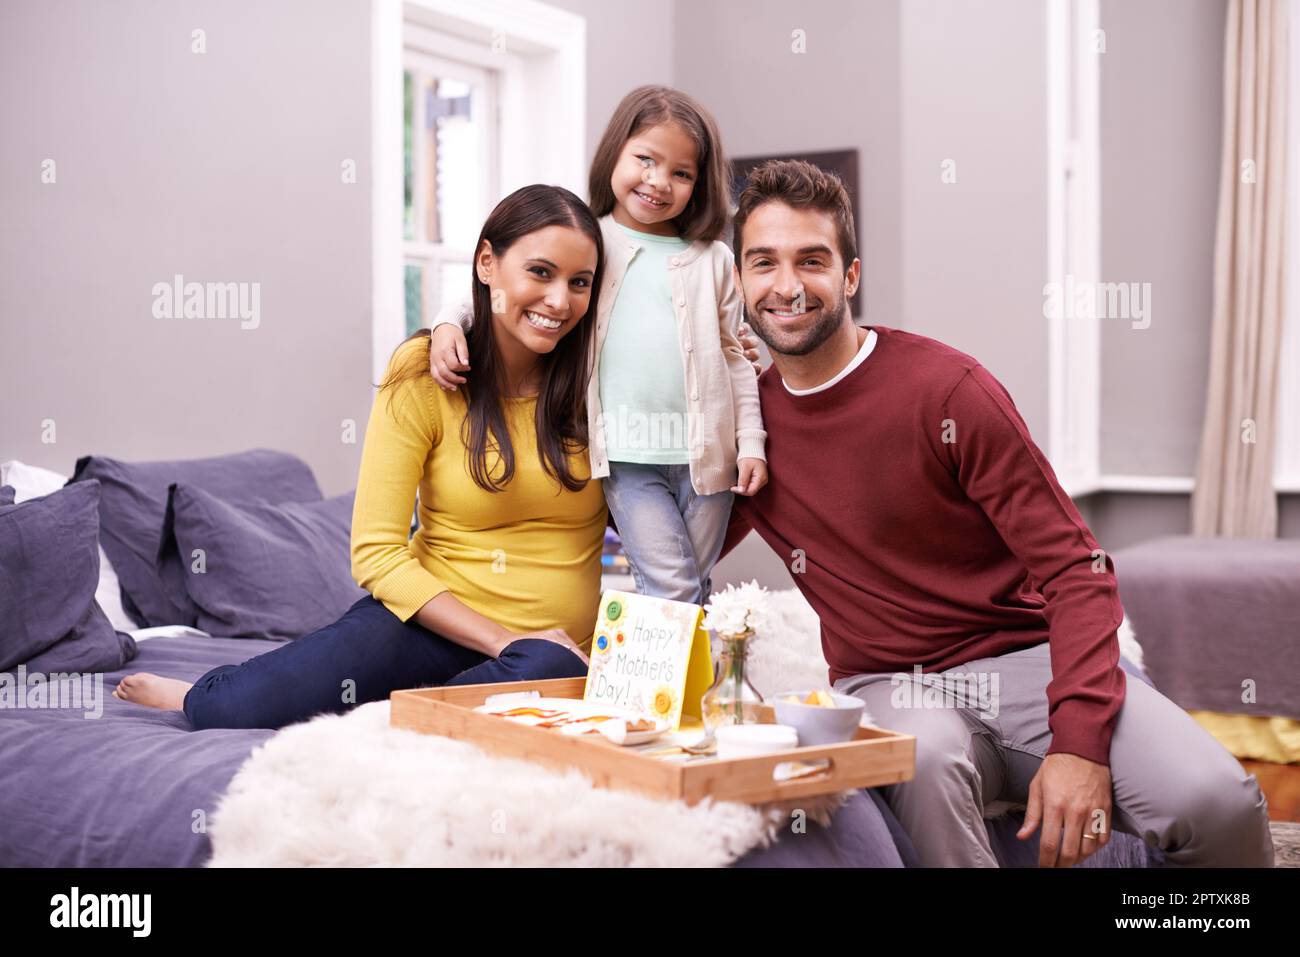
x: 647, y: 653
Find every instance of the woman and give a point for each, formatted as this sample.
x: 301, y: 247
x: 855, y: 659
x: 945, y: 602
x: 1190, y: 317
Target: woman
x: 503, y: 571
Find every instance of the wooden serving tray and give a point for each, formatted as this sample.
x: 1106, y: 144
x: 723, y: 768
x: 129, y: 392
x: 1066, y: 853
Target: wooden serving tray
x: 874, y: 757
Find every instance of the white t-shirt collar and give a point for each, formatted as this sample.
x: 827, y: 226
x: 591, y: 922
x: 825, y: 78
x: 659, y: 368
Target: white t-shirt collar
x: 863, y: 351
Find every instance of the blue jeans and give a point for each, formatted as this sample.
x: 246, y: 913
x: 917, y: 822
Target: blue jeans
x: 364, y: 656
x: 671, y: 534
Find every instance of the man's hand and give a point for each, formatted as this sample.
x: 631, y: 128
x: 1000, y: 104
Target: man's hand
x: 752, y: 477
x: 1071, y: 796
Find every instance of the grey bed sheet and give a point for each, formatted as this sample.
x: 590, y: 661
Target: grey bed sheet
x: 125, y: 789
x: 133, y: 787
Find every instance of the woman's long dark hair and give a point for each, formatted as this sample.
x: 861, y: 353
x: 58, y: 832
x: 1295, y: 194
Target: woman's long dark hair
x: 561, y: 416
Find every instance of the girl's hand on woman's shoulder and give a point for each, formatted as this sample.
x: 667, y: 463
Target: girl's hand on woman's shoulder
x: 753, y: 476
x: 448, y: 354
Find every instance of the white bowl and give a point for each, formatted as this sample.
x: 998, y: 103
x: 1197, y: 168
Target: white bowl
x: 818, y: 725
x: 752, y: 740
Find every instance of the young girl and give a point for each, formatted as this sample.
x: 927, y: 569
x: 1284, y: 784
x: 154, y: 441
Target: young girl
x: 672, y: 402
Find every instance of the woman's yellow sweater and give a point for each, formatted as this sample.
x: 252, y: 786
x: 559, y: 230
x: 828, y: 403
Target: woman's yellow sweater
x: 527, y: 557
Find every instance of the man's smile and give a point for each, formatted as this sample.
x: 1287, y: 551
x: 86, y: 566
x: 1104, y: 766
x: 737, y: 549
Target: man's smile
x: 788, y: 314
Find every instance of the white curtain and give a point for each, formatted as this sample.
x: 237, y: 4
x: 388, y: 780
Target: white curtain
x: 1234, y: 494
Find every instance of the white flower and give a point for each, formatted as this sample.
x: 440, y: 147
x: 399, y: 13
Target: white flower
x: 734, y: 611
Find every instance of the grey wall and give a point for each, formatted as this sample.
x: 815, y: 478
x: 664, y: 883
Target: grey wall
x: 624, y: 51
x: 1121, y: 519
x: 1161, y: 119
x: 842, y: 93
x: 223, y: 166
x: 974, y: 251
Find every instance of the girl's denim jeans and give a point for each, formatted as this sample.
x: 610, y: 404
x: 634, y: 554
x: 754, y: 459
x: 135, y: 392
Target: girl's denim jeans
x: 671, y: 534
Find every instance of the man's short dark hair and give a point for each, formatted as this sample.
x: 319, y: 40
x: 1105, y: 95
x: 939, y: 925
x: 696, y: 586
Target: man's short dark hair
x: 801, y: 185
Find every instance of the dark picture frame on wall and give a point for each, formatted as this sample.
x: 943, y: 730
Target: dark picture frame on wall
x: 843, y: 163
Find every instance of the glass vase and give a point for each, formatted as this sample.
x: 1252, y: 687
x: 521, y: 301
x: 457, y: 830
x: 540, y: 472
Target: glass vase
x: 731, y: 699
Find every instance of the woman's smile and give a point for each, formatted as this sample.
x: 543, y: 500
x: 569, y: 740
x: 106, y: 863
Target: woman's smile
x: 543, y: 323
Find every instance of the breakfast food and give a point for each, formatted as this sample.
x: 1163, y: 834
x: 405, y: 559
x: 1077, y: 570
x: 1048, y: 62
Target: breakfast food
x: 632, y: 724
x: 576, y: 718
x: 569, y: 719
x: 818, y: 698
x: 529, y: 713
x: 549, y: 718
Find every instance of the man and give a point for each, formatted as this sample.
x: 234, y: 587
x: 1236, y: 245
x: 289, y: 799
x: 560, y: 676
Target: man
x: 926, y: 529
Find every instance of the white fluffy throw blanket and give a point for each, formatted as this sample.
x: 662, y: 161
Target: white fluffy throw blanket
x: 349, y: 790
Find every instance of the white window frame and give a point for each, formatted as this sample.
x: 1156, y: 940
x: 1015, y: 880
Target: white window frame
x: 1073, y: 242
x: 539, y: 55
x: 418, y: 251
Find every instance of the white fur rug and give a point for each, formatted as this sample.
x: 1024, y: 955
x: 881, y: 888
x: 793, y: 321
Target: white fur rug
x: 348, y: 790
x: 351, y: 791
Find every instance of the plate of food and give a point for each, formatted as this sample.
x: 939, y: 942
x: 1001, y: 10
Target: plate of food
x: 575, y: 716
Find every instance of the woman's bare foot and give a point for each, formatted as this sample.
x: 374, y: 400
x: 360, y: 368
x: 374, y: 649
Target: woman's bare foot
x: 153, y: 691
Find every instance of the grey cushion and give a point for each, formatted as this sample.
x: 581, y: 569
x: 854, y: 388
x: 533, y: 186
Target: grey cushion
x: 134, y: 503
x: 263, y: 571
x: 49, y: 570
x: 6, y: 494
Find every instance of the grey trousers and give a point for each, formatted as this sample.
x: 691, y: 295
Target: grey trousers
x: 982, y: 733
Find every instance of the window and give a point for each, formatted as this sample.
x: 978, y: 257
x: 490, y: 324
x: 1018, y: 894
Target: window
x: 470, y: 100
x: 449, y: 144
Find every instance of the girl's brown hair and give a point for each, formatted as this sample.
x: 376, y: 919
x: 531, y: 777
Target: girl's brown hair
x: 561, y: 416
x: 705, y: 215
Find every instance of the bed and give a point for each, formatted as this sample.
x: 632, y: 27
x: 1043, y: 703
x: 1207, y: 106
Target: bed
x: 134, y: 787
x: 131, y: 788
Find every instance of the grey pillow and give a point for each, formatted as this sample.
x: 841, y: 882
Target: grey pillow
x: 49, y: 570
x: 263, y: 571
x: 134, y: 504
x: 6, y: 494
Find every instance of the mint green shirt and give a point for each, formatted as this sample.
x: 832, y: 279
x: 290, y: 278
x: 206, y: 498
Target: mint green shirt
x: 642, y: 383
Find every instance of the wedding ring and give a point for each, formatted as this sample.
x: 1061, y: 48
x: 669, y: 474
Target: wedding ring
x: 1090, y: 837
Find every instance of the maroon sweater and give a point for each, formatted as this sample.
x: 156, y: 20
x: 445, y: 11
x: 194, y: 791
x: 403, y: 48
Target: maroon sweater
x: 924, y: 526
